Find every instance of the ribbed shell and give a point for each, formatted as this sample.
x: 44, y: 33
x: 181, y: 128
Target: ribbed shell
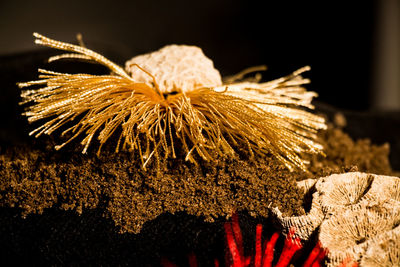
x: 357, y: 215
x: 343, y: 190
x: 349, y: 233
x: 383, y: 250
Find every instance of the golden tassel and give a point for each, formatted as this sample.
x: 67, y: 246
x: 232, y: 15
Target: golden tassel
x: 174, y: 94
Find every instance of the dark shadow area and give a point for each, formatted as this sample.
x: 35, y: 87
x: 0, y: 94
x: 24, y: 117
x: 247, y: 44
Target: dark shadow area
x: 334, y: 38
x: 68, y: 239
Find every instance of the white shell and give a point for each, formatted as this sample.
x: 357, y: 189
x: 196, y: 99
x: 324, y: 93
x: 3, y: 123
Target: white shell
x: 384, y: 250
x: 358, y: 215
x: 175, y: 68
x: 339, y: 191
x: 304, y: 225
x: 349, y: 232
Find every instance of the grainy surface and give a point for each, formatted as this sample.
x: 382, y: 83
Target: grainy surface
x: 344, y: 154
x: 35, y: 177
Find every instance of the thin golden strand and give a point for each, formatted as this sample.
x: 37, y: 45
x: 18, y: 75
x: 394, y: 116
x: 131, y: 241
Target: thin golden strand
x: 263, y: 116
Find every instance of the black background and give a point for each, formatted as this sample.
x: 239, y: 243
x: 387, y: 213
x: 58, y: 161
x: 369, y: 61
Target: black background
x: 335, y: 37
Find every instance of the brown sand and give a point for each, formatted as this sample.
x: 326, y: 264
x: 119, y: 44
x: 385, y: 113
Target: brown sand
x: 345, y: 154
x: 35, y: 177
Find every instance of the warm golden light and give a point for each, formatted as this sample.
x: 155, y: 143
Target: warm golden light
x: 156, y: 110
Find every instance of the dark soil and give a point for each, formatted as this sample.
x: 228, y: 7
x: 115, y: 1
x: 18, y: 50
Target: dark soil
x: 34, y: 177
x: 345, y: 154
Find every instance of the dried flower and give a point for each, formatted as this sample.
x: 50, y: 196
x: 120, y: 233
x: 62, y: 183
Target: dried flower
x: 174, y: 96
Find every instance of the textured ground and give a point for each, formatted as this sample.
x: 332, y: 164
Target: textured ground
x: 35, y: 177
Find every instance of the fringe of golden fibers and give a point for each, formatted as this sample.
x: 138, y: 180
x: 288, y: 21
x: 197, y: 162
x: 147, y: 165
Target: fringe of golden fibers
x: 204, y: 119
x: 282, y: 135
x: 79, y: 50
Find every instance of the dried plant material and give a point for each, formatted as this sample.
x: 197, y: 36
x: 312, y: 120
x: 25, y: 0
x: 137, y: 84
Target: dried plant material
x: 383, y: 250
x: 174, y: 99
